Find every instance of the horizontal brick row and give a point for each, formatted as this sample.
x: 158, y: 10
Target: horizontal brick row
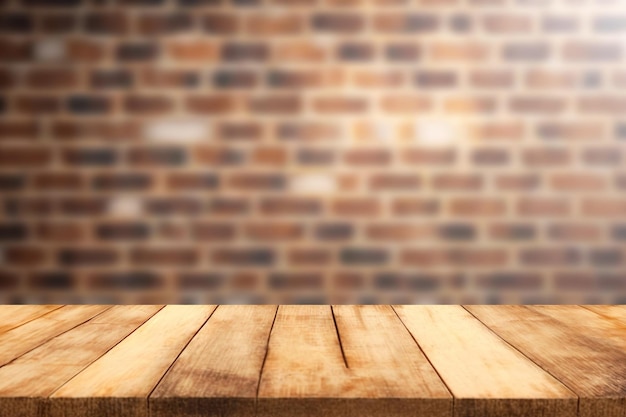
x: 27, y: 256
x: 64, y: 231
x: 556, y: 162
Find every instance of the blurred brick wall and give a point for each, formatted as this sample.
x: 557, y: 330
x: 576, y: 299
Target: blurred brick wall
x: 312, y: 151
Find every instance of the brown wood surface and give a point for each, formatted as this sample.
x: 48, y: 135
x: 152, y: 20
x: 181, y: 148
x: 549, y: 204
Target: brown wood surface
x: 29, y: 379
x: 574, y: 344
x: 218, y: 373
x: 307, y: 361
x: 477, y: 366
x: 118, y: 383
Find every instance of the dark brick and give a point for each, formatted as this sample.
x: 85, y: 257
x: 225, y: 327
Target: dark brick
x: 402, y: 52
x: 175, y: 206
x: 295, y: 281
x: 131, y: 280
x: 126, y: 181
x: 460, y: 23
x: 213, y: 231
x: 606, y: 257
x: 313, y: 156
x: 234, y: 79
x: 424, y: 282
x: 58, y: 23
x: 220, y: 23
x: 13, y: 232
x: 87, y: 257
x: 245, y: 51
x: 165, y: 24
x: 334, y: 231
x: 406, y: 23
x: 436, y: 79
x: 355, y: 51
x: 337, y: 22
x: 116, y: 78
x: 157, y: 156
x: 139, y: 51
x: 15, y: 22
x: 244, y: 257
x: 526, y: 51
x: 11, y: 182
x: 510, y: 281
x: 90, y: 156
x: 200, y: 281
x: 56, y: 280
x: 364, y: 256
x: 122, y: 231
x: 105, y: 23
x: 8, y: 280
x: 87, y: 206
x: 458, y: 231
x: 89, y: 105
x: 388, y: 281
x: 618, y: 232
x: 192, y: 181
x: 228, y: 206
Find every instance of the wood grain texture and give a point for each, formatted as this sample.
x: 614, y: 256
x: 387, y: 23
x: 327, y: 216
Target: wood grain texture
x: 310, y: 361
x: 574, y: 351
x: 29, y: 379
x: 498, y: 380
x: 305, y: 343
x: 218, y: 373
x: 14, y: 316
x: 28, y: 336
x: 118, y: 383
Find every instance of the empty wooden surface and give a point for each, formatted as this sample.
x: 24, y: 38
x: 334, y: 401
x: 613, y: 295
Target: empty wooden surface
x: 309, y: 361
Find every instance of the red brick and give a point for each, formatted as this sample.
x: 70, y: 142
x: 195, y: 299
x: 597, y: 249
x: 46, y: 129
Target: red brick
x: 25, y: 256
x: 275, y: 104
x: 399, y: 232
x: 394, y: 182
x: 267, y: 25
x: 407, y: 206
x: 367, y: 157
x: 578, y: 182
x: 457, y: 182
x: 313, y: 257
x: 194, y: 51
x: 356, y: 207
x: 150, y: 105
x: 543, y: 207
x: 604, y: 207
x: 339, y: 105
x: 470, y: 207
x: 25, y: 157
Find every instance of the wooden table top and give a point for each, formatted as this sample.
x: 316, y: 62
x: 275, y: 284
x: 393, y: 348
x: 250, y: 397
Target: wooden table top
x: 275, y: 361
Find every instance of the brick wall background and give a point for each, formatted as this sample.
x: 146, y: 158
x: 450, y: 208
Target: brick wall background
x: 305, y: 151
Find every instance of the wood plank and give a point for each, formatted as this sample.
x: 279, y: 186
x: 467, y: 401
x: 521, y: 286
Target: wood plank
x: 14, y: 316
x: 603, y: 327
x: 28, y: 380
x: 487, y: 377
x: 118, y: 383
x: 615, y: 313
x: 28, y: 336
x: 381, y: 352
x: 218, y: 373
x: 590, y: 365
x: 305, y: 373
